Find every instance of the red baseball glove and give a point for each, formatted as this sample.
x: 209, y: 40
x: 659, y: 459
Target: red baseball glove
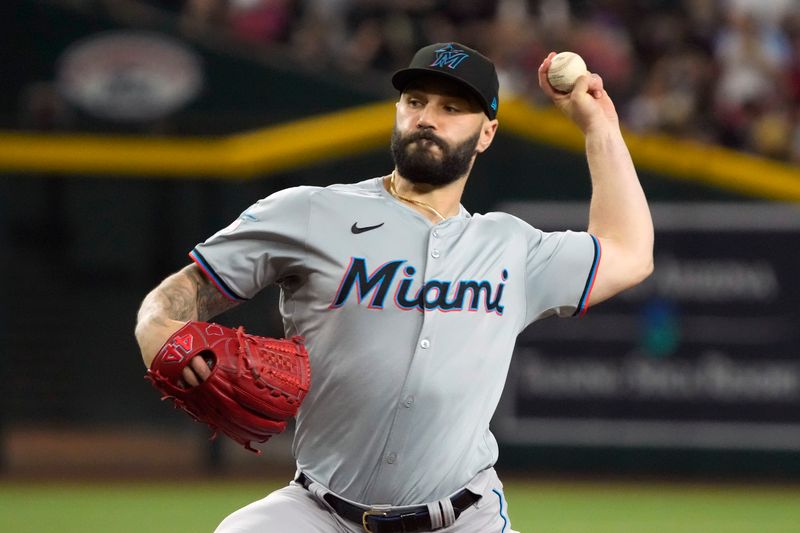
x: 256, y: 383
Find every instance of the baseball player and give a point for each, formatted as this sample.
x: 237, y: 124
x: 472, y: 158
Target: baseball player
x: 410, y: 305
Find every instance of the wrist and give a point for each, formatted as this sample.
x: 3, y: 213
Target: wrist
x: 602, y: 128
x: 152, y: 333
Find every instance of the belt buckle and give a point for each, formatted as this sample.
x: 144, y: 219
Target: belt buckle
x: 367, y: 514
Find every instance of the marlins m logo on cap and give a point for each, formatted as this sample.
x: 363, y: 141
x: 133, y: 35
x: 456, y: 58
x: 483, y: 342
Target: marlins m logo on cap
x: 449, y: 60
x: 449, y: 56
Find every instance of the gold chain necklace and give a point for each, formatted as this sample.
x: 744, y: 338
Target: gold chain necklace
x: 393, y: 192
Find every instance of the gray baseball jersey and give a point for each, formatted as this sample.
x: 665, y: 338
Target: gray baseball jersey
x: 409, y: 325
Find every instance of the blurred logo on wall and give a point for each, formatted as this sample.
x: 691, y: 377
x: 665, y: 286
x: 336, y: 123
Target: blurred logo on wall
x: 129, y: 76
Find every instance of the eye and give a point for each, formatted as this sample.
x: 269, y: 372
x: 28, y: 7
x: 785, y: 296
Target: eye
x: 414, y: 102
x: 451, y: 108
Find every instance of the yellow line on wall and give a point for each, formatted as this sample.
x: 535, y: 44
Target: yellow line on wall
x: 362, y: 129
x: 713, y: 165
x: 244, y: 155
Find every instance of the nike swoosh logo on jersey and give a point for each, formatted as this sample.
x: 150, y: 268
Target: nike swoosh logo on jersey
x: 356, y: 230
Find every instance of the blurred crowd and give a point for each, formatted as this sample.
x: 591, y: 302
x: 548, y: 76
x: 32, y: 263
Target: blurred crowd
x: 716, y: 71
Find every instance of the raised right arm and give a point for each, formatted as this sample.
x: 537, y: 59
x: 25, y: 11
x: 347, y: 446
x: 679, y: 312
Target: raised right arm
x: 183, y: 296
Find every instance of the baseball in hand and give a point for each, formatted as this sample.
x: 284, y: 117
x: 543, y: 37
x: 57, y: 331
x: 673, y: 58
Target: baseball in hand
x: 565, y: 69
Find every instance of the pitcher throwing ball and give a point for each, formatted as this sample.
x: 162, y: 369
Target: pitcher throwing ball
x: 409, y: 305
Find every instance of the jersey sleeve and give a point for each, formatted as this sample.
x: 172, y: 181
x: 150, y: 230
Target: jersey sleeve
x: 264, y: 245
x: 561, y: 269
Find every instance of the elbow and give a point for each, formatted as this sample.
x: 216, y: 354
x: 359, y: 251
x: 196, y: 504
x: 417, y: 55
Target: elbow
x: 636, y: 270
x: 642, y: 261
x: 647, y: 271
x: 644, y: 271
x: 623, y: 267
x: 633, y: 275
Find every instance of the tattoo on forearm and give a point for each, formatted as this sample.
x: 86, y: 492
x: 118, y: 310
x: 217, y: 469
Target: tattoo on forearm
x: 180, y: 302
x: 186, y: 295
x: 209, y: 301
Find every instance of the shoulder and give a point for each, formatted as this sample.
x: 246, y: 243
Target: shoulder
x: 499, y: 220
x: 285, y: 202
x: 305, y: 193
x: 292, y: 194
x: 510, y: 226
x: 297, y: 201
x: 369, y: 188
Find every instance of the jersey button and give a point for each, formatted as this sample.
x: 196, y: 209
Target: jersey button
x: 435, y: 253
x: 435, y: 233
x: 391, y: 458
x: 409, y: 401
x: 425, y: 344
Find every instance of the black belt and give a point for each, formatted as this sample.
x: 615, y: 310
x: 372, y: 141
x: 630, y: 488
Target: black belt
x: 408, y: 520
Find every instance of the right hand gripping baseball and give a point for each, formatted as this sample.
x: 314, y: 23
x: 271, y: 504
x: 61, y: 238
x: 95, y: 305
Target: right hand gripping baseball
x: 256, y: 383
x: 587, y: 105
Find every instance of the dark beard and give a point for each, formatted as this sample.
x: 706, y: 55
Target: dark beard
x: 423, y: 167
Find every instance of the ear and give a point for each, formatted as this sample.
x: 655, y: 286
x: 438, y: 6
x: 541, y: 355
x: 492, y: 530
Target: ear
x: 487, y: 135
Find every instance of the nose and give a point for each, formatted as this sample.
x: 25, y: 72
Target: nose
x: 426, y: 118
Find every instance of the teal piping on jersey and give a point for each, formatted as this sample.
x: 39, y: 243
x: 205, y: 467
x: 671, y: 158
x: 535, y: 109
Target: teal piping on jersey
x: 587, y: 291
x: 504, y: 517
x: 201, y: 262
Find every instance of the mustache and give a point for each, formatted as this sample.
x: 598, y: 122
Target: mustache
x: 425, y: 135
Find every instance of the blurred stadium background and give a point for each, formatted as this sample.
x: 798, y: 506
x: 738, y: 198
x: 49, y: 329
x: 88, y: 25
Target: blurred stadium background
x: 131, y: 130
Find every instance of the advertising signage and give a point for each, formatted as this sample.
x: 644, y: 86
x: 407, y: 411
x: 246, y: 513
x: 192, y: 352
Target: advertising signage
x: 703, y: 354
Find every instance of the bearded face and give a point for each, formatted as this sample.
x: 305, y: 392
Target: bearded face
x: 423, y: 157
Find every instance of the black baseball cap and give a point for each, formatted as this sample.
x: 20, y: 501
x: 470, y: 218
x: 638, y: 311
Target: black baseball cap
x: 456, y: 62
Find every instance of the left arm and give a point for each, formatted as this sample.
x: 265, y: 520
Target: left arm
x: 618, y: 216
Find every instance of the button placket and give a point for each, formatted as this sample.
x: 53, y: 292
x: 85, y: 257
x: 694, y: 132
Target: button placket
x: 424, y: 343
